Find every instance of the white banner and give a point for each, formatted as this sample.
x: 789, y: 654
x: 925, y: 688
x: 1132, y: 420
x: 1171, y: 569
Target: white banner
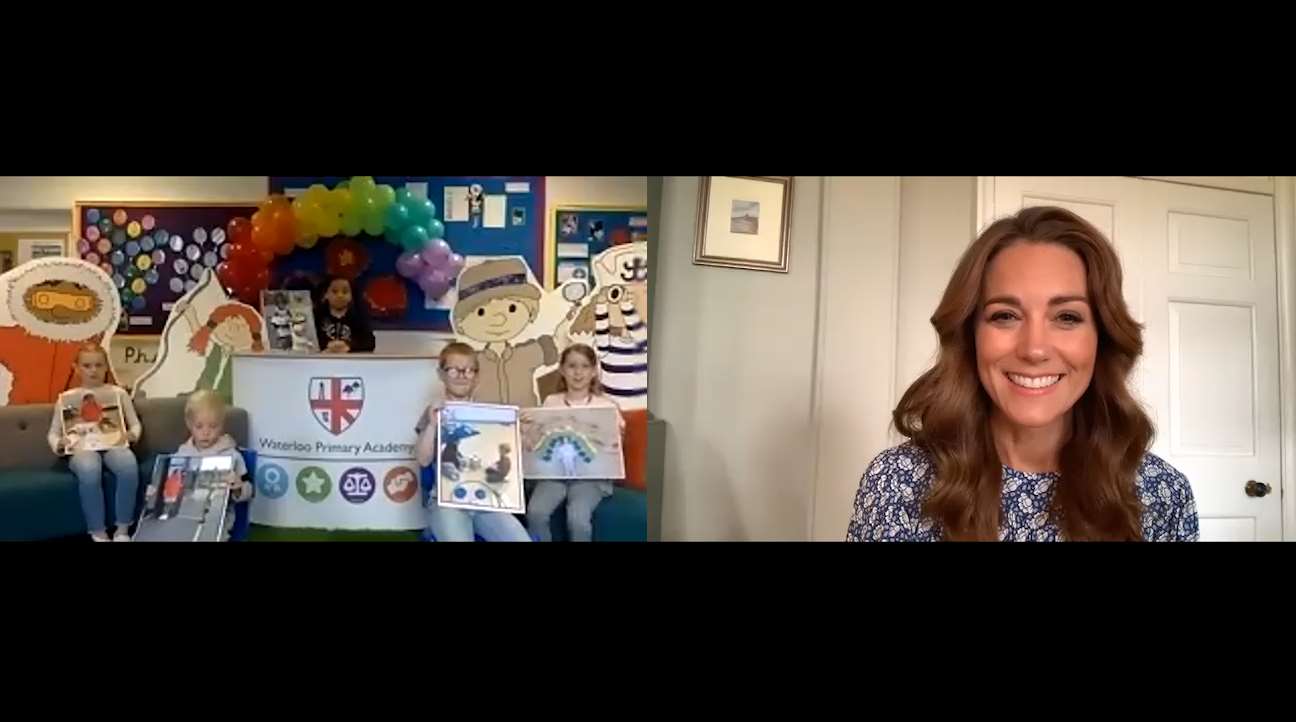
x: 334, y: 436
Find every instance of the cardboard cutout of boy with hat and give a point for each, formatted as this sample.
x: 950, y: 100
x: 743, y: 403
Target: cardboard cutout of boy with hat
x: 497, y: 302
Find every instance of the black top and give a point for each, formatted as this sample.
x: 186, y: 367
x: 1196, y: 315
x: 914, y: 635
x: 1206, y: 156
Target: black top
x: 352, y: 328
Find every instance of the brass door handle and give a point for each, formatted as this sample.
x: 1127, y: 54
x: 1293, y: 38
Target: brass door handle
x: 1257, y: 488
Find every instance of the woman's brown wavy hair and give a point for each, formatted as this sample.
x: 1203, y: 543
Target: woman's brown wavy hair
x: 947, y: 411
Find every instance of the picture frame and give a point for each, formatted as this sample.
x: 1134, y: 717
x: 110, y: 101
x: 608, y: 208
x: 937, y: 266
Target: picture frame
x: 743, y: 222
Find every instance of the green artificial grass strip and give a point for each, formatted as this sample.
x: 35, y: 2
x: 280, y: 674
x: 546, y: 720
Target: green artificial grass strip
x: 258, y: 533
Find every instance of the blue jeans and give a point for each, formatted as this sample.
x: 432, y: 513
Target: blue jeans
x: 88, y: 467
x: 583, y: 497
x: 459, y: 525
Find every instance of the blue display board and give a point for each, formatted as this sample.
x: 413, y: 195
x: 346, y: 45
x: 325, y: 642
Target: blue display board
x: 582, y: 232
x: 522, y: 234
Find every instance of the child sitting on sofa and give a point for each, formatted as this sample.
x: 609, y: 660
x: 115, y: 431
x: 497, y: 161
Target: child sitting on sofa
x: 205, y: 418
x: 91, y: 367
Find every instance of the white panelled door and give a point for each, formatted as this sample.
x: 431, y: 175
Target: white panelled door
x: 1201, y: 275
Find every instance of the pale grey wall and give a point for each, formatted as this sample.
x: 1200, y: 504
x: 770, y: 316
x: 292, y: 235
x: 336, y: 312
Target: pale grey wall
x: 731, y: 374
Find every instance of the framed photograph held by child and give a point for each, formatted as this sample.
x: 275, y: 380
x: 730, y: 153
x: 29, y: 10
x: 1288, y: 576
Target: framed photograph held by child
x: 92, y: 420
x: 572, y: 443
x: 477, y: 450
x: 290, y: 321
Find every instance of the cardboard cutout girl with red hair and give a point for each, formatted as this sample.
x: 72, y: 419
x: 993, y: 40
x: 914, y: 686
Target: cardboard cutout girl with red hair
x: 232, y: 327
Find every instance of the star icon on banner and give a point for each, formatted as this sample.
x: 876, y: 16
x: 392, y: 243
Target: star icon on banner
x: 314, y: 483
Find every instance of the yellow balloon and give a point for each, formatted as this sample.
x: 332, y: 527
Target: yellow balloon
x: 308, y: 241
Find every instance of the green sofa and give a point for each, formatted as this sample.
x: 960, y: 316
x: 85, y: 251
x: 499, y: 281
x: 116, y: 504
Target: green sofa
x: 38, y: 494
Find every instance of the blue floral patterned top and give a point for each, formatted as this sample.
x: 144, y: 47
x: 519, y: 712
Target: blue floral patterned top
x: 888, y: 506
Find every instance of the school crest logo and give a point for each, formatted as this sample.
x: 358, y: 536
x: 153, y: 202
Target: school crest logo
x: 336, y: 401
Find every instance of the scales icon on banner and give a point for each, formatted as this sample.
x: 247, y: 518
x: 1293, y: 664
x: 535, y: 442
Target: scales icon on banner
x: 357, y: 485
x: 336, y: 401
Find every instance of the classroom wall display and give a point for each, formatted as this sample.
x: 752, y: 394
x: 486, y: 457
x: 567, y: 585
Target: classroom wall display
x: 49, y: 308
x: 475, y: 216
x: 155, y: 252
x: 204, y: 329
x: 132, y: 356
x: 579, y: 233
x: 335, y: 440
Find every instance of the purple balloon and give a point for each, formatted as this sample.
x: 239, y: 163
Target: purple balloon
x: 436, y: 253
x: 456, y: 264
x: 434, y: 284
x: 409, y: 264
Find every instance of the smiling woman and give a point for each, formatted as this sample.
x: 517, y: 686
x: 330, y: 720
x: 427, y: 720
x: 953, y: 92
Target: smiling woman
x: 1025, y: 428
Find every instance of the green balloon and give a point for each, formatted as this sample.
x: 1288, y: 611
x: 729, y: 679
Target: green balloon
x: 352, y: 223
x: 414, y: 238
x: 373, y: 224
x: 397, y: 218
x: 436, y: 229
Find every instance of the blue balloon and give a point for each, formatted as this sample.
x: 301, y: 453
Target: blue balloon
x: 404, y: 197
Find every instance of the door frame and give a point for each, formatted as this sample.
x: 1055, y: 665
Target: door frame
x: 1284, y: 196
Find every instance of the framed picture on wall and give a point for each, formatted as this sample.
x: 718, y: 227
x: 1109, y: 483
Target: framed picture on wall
x: 743, y: 222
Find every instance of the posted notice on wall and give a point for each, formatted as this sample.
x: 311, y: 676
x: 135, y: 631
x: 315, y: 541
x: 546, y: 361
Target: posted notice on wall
x: 335, y: 438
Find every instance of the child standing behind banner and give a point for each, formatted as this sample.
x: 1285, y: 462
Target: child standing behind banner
x: 339, y: 323
x: 458, y: 374
x: 579, y: 386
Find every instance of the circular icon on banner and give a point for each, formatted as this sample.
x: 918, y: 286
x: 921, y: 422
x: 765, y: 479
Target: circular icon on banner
x: 105, y: 225
x: 147, y: 244
x: 148, y: 222
x: 119, y: 217
x: 271, y: 481
x: 200, y: 236
x: 314, y: 484
x: 92, y: 233
x: 92, y: 215
x: 177, y: 285
x: 401, y: 484
x: 133, y: 230
x: 357, y: 485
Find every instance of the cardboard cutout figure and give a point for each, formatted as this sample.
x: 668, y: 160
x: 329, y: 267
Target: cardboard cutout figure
x: 51, y: 306
x: 616, y: 317
x: 502, y: 312
x: 204, y: 330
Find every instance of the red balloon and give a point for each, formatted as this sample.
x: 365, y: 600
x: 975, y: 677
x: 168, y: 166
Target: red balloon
x: 239, y: 230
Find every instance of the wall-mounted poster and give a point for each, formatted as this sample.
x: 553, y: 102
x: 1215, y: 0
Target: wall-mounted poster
x: 155, y: 252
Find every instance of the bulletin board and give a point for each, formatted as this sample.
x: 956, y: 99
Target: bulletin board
x: 519, y: 200
x: 155, y: 252
x: 579, y: 233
